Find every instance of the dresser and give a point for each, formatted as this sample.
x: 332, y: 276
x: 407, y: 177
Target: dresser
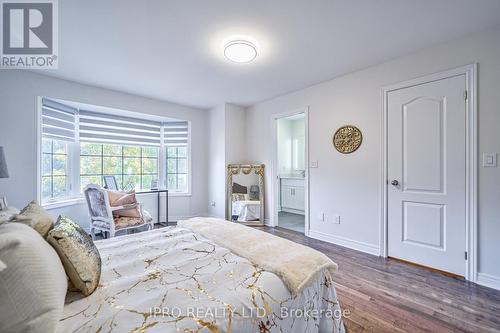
x: 292, y: 195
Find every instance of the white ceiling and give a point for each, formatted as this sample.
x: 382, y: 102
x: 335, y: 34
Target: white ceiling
x: 172, y: 50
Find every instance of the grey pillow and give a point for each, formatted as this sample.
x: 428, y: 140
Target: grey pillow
x: 79, y: 255
x: 32, y: 281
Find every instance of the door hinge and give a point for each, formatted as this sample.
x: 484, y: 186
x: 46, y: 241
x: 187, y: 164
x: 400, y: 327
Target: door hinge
x: 465, y: 95
x: 466, y: 256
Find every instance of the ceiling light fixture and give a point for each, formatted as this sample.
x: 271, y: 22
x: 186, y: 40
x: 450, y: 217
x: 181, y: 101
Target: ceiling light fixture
x: 240, y: 51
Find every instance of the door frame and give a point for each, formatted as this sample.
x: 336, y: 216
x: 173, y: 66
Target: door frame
x: 470, y: 246
x: 274, y: 175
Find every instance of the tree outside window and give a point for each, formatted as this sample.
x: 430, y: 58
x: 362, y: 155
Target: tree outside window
x: 54, y: 169
x: 134, y: 167
x: 177, y: 169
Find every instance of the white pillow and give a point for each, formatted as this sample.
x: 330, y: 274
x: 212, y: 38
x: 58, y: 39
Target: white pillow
x: 33, y: 283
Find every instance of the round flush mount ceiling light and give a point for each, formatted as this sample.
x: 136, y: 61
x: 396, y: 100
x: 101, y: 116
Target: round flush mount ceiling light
x: 240, y: 51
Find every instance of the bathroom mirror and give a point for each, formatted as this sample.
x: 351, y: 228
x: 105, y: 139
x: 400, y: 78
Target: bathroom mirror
x: 245, y: 194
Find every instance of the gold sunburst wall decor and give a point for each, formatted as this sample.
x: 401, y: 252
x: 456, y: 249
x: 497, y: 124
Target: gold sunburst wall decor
x: 347, y: 139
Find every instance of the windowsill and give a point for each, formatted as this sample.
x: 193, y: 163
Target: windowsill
x: 178, y: 194
x: 76, y: 201
x: 63, y: 203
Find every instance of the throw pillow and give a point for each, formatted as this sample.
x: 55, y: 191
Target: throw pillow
x: 78, y: 253
x: 36, y: 217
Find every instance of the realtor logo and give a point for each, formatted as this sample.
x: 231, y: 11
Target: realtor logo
x: 29, y: 34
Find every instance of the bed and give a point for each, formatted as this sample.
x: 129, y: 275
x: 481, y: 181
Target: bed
x: 175, y: 280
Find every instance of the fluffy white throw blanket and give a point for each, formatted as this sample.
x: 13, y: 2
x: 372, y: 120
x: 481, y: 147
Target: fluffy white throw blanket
x: 295, y: 264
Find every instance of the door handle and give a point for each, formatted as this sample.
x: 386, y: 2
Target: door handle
x: 394, y: 182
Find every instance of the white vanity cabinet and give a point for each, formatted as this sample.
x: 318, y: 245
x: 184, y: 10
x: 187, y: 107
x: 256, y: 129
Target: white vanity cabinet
x: 292, y: 195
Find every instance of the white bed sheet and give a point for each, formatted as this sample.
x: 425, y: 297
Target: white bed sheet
x: 171, y: 280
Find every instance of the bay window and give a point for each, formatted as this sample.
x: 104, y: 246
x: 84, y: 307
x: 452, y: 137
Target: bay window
x: 78, y: 146
x: 54, y: 169
x: 133, y: 167
x: 177, y: 169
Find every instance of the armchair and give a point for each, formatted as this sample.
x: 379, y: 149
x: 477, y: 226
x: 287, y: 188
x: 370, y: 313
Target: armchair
x: 101, y: 213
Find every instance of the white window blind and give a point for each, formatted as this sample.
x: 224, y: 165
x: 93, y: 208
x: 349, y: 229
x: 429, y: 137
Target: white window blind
x: 107, y: 128
x: 58, y: 121
x: 175, y: 133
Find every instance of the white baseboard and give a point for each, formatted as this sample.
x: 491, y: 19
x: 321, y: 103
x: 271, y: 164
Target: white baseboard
x: 346, y: 242
x: 177, y: 218
x: 488, y: 280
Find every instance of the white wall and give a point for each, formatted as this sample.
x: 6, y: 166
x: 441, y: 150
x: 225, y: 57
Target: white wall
x: 235, y: 134
x: 227, y: 128
x: 349, y: 185
x: 18, y: 92
x: 217, y: 161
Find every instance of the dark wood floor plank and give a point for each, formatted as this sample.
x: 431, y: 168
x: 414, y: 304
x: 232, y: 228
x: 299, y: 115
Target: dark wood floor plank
x: 386, y: 295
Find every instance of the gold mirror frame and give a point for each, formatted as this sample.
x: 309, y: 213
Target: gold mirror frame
x: 246, y: 169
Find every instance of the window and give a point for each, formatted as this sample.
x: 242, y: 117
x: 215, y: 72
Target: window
x: 177, y: 169
x: 54, y: 169
x: 133, y: 167
x: 80, y: 146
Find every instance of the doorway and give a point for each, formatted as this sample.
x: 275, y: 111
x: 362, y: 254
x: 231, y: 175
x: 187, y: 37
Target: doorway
x: 429, y: 173
x: 291, y: 171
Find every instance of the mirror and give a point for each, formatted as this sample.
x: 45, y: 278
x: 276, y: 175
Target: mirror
x: 245, y: 194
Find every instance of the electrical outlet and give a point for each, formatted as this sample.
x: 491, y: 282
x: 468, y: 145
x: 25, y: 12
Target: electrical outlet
x: 314, y: 164
x: 212, y: 203
x: 321, y: 217
x: 490, y: 160
x: 336, y: 219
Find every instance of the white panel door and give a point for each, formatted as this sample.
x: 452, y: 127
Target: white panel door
x: 426, y: 173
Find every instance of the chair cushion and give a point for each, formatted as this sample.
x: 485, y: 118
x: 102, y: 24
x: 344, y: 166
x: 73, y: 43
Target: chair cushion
x: 125, y: 222
x: 79, y: 255
x: 32, y: 281
x: 36, y: 217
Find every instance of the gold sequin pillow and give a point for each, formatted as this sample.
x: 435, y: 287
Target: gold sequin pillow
x: 36, y: 217
x: 79, y: 255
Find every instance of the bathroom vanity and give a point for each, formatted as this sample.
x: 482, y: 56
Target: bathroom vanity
x: 292, y: 194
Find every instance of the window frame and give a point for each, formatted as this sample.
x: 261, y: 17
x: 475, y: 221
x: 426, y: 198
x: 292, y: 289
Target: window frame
x: 122, y: 157
x: 177, y: 173
x: 73, y: 166
x: 67, y: 175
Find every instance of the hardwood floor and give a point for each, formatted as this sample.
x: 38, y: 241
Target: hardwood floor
x: 386, y: 295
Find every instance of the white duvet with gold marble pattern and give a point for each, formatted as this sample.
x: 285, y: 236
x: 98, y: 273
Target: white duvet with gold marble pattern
x: 171, y: 280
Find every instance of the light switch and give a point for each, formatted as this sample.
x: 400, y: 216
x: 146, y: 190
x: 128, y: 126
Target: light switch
x: 489, y: 160
x: 314, y: 164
